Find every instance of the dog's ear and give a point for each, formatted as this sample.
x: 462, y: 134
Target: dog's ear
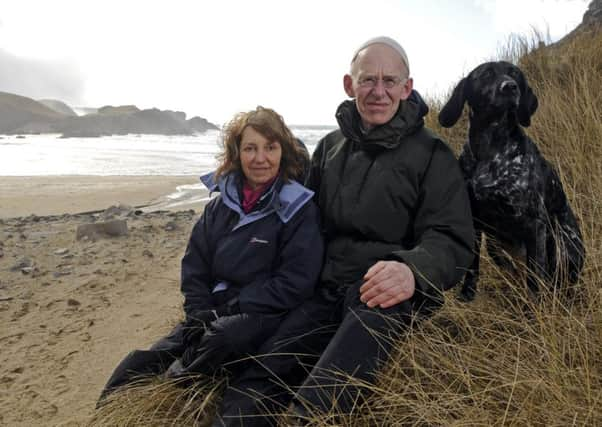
x: 527, y: 106
x: 452, y: 110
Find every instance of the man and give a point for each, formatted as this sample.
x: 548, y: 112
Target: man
x: 398, y: 231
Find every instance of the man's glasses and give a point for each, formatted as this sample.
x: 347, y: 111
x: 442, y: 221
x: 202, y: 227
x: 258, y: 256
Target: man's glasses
x: 388, y: 82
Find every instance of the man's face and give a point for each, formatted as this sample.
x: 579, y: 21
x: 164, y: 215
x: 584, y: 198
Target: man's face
x: 378, y: 82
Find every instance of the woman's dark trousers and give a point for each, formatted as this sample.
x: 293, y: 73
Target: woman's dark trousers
x: 227, y: 339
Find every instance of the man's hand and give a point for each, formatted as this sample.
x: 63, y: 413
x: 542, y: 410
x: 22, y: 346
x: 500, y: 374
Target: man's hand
x: 387, y: 283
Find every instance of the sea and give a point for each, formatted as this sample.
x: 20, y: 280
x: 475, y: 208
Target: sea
x: 129, y: 155
x: 49, y: 154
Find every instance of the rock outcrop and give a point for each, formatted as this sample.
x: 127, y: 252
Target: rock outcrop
x: 591, y: 23
x: 58, y: 106
x: 97, y: 230
x: 593, y: 15
x: 130, y: 120
x: 21, y: 115
x: 199, y: 124
x: 18, y: 113
x: 109, y: 110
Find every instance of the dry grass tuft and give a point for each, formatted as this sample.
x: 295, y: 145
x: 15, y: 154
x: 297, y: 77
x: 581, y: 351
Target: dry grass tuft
x: 158, y: 402
x: 503, y: 359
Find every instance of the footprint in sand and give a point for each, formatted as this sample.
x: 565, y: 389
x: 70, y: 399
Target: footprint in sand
x: 60, y: 385
x: 43, y: 409
x: 11, y: 339
x: 51, y: 304
x: 25, y: 309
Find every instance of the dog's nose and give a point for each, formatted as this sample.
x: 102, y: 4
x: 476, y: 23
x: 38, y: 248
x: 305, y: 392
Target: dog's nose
x: 509, y: 87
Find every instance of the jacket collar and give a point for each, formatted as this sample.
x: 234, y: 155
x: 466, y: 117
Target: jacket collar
x: 284, y: 198
x: 407, y: 120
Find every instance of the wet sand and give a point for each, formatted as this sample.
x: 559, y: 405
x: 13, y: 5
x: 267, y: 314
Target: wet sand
x: 55, y: 195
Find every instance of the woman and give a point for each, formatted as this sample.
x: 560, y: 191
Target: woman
x: 255, y: 254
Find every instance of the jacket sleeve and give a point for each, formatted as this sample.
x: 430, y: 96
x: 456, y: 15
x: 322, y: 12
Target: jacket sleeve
x: 443, y: 228
x: 196, y: 277
x: 296, y: 270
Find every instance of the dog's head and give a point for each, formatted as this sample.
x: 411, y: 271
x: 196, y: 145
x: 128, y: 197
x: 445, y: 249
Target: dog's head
x: 492, y: 90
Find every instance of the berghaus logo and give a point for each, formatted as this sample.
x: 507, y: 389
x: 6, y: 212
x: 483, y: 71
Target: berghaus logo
x: 256, y: 240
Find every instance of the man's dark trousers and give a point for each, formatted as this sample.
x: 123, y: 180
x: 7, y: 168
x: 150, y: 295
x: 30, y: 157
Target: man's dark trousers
x: 312, y: 356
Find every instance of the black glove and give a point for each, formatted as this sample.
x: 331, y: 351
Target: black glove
x: 198, y: 320
x: 228, y: 309
x: 195, y: 325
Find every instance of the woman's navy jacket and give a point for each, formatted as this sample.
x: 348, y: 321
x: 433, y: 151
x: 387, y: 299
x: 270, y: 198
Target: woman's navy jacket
x: 269, y: 258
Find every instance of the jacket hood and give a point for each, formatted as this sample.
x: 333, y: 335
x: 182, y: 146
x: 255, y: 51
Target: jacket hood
x: 285, y: 198
x: 408, y: 119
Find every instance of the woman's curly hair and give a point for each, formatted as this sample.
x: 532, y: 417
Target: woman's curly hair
x: 271, y: 125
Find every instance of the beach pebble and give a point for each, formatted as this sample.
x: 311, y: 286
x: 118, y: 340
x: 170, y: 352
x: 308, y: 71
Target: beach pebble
x: 61, y: 251
x: 21, y: 264
x: 73, y: 302
x: 33, y: 218
x: 58, y: 274
x: 170, y: 226
x: 185, y: 214
x: 27, y: 270
x: 147, y: 253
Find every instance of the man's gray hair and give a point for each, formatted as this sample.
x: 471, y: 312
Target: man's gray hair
x: 387, y: 41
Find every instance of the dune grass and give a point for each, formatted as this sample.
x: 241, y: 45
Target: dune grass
x: 156, y: 402
x: 503, y: 359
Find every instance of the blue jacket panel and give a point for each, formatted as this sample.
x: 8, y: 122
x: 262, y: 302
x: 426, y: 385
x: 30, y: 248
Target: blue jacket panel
x: 270, y: 258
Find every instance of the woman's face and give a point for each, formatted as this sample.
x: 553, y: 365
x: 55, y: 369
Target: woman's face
x: 259, y: 158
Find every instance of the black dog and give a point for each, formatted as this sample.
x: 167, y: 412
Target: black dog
x: 516, y: 196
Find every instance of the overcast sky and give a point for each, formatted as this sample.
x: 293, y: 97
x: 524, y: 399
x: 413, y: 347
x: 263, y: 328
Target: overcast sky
x: 215, y: 58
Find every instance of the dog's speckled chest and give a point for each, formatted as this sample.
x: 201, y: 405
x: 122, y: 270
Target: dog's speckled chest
x: 500, y: 183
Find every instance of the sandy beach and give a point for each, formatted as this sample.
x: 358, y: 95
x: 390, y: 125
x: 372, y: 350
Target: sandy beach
x: 72, y: 309
x: 55, y: 195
